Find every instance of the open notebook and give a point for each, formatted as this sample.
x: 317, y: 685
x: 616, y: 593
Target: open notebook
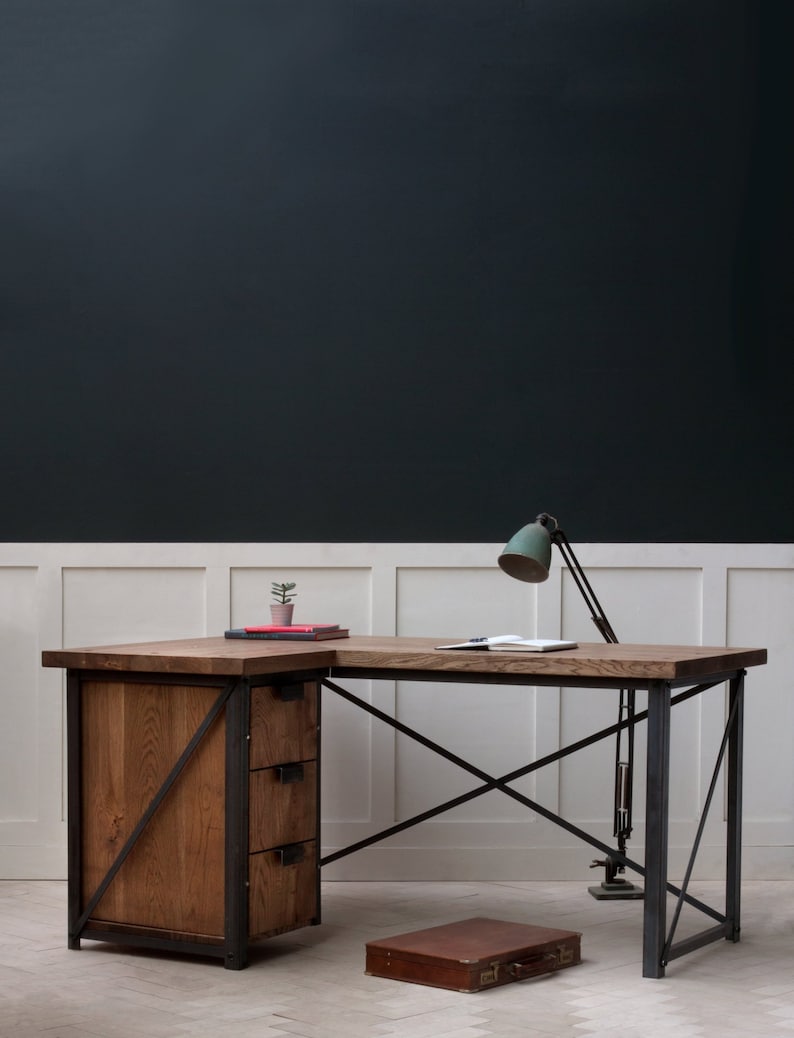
x: 512, y: 643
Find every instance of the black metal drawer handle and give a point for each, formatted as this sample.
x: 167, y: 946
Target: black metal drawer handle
x: 294, y: 854
x: 290, y: 693
x: 289, y: 773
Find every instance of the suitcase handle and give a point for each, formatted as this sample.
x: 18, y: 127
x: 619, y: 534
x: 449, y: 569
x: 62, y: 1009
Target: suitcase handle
x: 532, y: 967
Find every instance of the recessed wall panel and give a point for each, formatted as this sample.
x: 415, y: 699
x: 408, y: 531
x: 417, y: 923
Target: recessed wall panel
x: 660, y: 606
x: 340, y: 595
x: 19, y: 694
x: 761, y: 613
x: 334, y: 594
x: 107, y: 605
x: 490, y: 726
x: 462, y: 602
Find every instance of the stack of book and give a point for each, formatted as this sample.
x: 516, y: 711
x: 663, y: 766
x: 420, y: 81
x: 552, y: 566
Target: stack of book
x: 294, y: 632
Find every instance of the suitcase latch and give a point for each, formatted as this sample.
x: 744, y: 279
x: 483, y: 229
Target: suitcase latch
x: 490, y: 975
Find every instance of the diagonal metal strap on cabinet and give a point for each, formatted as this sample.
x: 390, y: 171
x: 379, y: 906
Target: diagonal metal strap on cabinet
x: 156, y: 801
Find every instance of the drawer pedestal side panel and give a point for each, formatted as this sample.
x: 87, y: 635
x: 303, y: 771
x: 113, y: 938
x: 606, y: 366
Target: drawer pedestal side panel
x: 132, y: 735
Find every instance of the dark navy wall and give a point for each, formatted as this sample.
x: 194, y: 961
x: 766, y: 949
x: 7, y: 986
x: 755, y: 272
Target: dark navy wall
x: 396, y: 270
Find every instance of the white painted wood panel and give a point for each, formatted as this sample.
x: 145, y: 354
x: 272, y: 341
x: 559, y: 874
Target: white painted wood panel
x: 761, y: 605
x: 72, y: 594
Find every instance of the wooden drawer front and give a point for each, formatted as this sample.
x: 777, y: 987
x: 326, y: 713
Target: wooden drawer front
x: 283, y: 891
x: 283, y: 724
x: 283, y: 805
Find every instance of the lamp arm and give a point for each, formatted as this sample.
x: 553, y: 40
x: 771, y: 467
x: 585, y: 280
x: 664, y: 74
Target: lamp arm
x: 596, y: 611
x: 624, y: 768
x: 527, y: 556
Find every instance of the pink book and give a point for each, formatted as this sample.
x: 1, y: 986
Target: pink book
x: 291, y: 629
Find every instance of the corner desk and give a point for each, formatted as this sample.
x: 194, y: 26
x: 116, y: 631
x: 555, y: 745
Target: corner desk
x: 193, y: 777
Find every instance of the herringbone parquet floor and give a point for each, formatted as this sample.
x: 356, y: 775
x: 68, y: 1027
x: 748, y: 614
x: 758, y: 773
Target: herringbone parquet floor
x: 312, y: 983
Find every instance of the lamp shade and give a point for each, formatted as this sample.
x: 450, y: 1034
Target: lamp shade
x: 527, y: 555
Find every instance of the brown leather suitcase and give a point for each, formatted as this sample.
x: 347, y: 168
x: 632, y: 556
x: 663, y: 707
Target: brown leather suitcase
x: 473, y: 954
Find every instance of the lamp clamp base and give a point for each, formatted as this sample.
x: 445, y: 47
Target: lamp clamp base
x: 614, y: 887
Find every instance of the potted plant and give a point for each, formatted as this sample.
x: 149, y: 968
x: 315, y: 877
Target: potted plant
x: 282, y: 606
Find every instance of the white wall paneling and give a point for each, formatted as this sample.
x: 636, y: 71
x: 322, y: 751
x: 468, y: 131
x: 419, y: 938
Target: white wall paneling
x: 88, y: 594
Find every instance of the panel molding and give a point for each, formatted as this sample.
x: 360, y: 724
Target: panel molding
x: 710, y: 593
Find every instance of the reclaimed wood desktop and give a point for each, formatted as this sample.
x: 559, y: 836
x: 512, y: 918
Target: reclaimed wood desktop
x: 193, y: 771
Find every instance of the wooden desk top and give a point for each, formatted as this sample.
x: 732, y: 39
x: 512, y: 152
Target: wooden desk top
x: 238, y: 657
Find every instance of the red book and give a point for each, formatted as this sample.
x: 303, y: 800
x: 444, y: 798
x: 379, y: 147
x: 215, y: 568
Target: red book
x: 289, y: 634
x: 291, y: 629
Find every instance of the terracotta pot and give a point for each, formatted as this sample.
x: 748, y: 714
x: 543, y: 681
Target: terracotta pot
x: 281, y: 615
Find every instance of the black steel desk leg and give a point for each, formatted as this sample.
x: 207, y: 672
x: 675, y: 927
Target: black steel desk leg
x: 74, y: 824
x: 656, y: 818
x: 236, y: 866
x: 733, y: 874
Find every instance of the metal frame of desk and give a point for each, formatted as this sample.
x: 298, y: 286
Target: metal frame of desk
x: 658, y: 669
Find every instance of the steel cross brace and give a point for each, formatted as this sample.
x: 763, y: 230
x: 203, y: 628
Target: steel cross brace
x: 730, y: 921
x: 490, y: 782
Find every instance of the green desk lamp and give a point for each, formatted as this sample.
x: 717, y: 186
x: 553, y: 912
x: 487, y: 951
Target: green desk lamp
x: 527, y: 557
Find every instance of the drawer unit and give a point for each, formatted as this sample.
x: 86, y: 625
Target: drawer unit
x: 193, y: 810
x: 283, y: 809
